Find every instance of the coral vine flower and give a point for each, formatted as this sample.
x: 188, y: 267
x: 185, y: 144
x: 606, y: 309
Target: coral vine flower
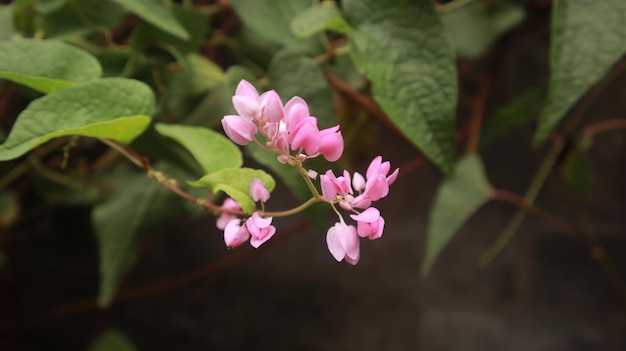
x: 228, y: 205
x: 369, y: 223
x: 285, y: 128
x: 343, y: 242
x: 258, y: 191
x: 235, y: 234
x: 260, y: 229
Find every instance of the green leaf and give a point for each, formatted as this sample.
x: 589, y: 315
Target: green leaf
x: 47, y: 6
x: 46, y: 65
x: 317, y: 18
x: 457, y: 199
x: 192, y: 20
x: 588, y: 37
x: 272, y: 19
x: 79, y: 17
x: 236, y: 183
x: 203, y: 75
x: 113, y: 108
x: 113, y: 339
x: 9, y: 209
x: 292, y: 73
x: 212, y: 150
x: 118, y: 222
x: 523, y: 109
x: 157, y: 13
x: 576, y: 169
x: 6, y: 22
x: 400, y: 46
x: 475, y: 26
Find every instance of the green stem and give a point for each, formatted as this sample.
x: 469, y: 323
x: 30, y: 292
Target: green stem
x: 529, y: 199
x: 294, y: 210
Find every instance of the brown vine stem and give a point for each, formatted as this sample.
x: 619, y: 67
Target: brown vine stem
x: 517, y: 200
x: 529, y: 198
x: 368, y: 104
x: 604, y: 126
x: 160, y: 286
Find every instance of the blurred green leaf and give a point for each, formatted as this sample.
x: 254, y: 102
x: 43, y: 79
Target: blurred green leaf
x: 457, y: 199
x: 400, y: 46
x: 24, y: 16
x: 236, y: 183
x: 273, y: 18
x: 191, y: 19
x: 79, y: 17
x: 317, y: 18
x: 46, y: 65
x: 9, y: 209
x: 114, y: 108
x: 118, y: 222
x: 157, y: 13
x: 294, y: 74
x: 47, y: 6
x: 523, y: 109
x: 6, y: 22
x: 588, y: 37
x: 475, y: 26
x: 113, y: 340
x: 577, y: 170
x: 212, y: 150
x: 203, y: 75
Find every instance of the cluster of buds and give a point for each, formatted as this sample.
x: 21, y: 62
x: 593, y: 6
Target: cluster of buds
x: 284, y: 129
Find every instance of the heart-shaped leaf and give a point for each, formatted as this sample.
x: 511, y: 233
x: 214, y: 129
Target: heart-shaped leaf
x: 113, y: 108
x: 46, y: 65
x: 236, y: 183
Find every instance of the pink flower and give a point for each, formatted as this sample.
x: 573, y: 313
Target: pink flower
x: 305, y: 135
x: 369, y: 223
x: 246, y: 101
x: 333, y: 186
x: 271, y: 107
x: 377, y: 167
x: 331, y: 143
x: 239, y: 129
x: 343, y: 242
x: 229, y: 205
x: 258, y: 191
x: 296, y: 110
x: 260, y: 229
x: 235, y: 234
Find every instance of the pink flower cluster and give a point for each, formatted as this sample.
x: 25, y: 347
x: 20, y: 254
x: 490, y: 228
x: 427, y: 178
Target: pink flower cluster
x: 353, y: 193
x: 256, y: 228
x: 283, y: 127
x: 291, y: 128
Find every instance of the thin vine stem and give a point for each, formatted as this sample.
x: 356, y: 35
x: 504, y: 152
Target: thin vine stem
x: 529, y: 199
x: 172, y: 184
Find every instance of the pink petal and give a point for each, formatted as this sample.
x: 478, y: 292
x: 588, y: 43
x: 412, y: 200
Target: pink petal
x: 331, y: 144
x: 306, y: 135
x: 393, y: 176
x: 273, y: 111
x: 296, y: 110
x: 266, y: 234
x: 329, y: 187
x: 235, y: 234
x: 373, y: 167
x: 258, y: 191
x: 371, y: 214
x: 358, y: 182
x: 334, y: 244
x: 376, y: 188
x: 239, y: 129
